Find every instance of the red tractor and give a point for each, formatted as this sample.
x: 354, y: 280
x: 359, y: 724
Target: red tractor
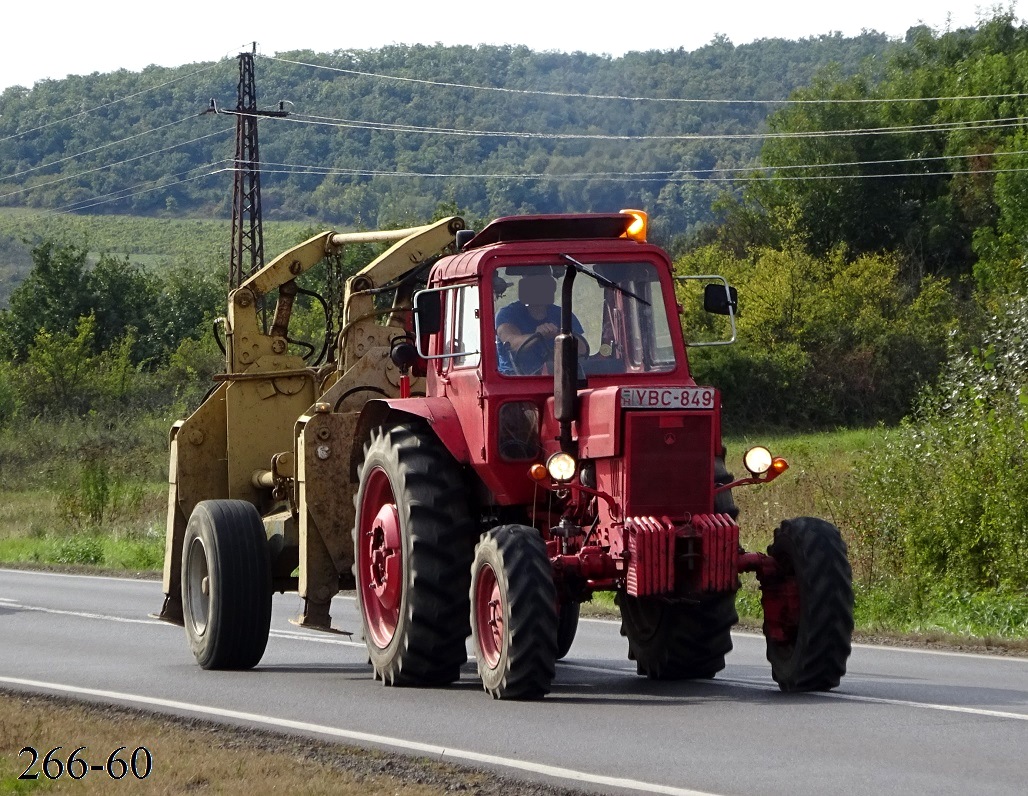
x: 539, y: 439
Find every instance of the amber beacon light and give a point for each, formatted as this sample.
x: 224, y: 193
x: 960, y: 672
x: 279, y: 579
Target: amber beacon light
x: 637, y: 229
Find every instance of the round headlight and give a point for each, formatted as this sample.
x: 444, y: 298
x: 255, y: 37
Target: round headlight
x: 561, y: 466
x: 757, y: 460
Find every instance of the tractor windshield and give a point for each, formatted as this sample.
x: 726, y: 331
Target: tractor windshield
x: 619, y: 331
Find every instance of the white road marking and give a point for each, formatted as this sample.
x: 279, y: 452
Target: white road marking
x: 761, y: 686
x: 84, y: 614
x: 38, y: 572
x: 439, y: 752
x: 911, y: 650
x: 301, y: 636
x: 598, y: 620
x: 905, y: 703
x: 318, y: 638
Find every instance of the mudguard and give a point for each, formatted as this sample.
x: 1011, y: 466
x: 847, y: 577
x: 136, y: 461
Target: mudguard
x: 437, y: 412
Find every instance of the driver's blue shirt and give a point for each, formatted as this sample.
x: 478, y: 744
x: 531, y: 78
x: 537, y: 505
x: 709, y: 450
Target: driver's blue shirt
x: 517, y: 315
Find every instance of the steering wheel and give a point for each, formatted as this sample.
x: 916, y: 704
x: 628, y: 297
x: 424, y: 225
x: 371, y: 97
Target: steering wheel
x: 533, y: 355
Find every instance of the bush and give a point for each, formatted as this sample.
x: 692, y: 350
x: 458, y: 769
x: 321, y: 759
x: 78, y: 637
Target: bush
x: 949, y: 489
x: 83, y: 550
x: 8, y: 394
x: 95, y: 494
x: 822, y: 342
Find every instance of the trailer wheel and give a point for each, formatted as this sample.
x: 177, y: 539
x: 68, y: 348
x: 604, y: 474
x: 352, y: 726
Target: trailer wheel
x: 413, y: 548
x: 567, y: 626
x: 809, y: 641
x: 226, y: 584
x: 514, y: 613
x: 678, y: 641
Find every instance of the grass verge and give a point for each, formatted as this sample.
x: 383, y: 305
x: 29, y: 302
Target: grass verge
x: 190, y: 756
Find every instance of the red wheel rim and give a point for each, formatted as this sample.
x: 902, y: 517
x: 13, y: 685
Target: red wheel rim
x: 380, y: 559
x: 489, y: 616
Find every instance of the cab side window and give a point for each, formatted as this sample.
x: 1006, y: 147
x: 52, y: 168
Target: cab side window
x: 463, y: 336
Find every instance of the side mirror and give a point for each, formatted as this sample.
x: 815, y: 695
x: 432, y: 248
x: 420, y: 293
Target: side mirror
x: 428, y: 312
x: 721, y: 299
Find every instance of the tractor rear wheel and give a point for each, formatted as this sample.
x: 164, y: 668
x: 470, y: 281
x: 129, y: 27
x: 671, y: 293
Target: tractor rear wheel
x: 810, y: 643
x: 514, y: 613
x: 413, y: 540
x: 724, y: 502
x: 567, y: 626
x: 678, y: 640
x: 226, y: 585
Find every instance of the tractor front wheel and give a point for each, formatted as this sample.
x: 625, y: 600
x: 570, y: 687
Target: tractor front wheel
x: 226, y: 585
x: 808, y: 606
x: 514, y: 613
x: 678, y: 640
x: 413, y: 544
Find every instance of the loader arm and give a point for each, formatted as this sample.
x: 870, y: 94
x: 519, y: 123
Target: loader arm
x: 248, y: 343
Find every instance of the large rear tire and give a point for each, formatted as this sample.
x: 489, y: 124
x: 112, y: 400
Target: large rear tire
x: 567, y: 626
x: 226, y: 585
x: 811, y: 556
x: 514, y: 613
x: 413, y: 545
x: 678, y: 640
x: 724, y: 502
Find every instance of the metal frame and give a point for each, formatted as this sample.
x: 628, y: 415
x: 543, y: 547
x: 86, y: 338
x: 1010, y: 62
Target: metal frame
x: 417, y: 326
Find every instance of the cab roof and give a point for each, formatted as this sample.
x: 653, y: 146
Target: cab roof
x: 584, y: 226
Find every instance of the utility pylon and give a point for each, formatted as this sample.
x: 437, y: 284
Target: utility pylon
x: 247, y: 254
x: 247, y: 228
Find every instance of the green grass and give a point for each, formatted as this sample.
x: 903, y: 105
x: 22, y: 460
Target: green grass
x: 45, y: 520
x: 820, y: 480
x: 84, y: 493
x: 89, y: 550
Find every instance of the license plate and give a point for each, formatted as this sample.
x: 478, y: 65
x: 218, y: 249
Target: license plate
x: 667, y: 398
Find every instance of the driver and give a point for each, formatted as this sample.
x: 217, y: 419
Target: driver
x: 533, y: 315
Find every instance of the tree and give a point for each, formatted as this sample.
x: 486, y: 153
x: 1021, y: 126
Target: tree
x: 124, y: 297
x: 54, y: 296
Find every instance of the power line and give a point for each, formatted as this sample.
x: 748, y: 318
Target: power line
x: 109, y: 104
x: 145, y: 187
x: 626, y: 98
x: 95, y: 149
x: 629, y: 177
x: 710, y: 175
x: 391, y: 127
x: 78, y: 174
x: 303, y: 168
x: 676, y: 175
x: 623, y: 177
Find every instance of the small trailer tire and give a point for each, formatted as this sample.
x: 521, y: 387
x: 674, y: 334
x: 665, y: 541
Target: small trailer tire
x: 226, y: 585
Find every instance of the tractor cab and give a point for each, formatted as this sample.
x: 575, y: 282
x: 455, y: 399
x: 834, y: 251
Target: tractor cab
x: 539, y: 328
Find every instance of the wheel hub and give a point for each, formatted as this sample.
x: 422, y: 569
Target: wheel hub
x: 385, y: 556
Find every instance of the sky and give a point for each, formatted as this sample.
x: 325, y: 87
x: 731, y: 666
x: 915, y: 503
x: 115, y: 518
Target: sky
x: 51, y: 39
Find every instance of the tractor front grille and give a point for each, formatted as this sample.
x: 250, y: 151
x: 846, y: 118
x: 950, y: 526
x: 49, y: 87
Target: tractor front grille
x: 669, y: 463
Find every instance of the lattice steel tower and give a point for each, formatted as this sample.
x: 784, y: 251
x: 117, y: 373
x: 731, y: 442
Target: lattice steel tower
x: 247, y: 230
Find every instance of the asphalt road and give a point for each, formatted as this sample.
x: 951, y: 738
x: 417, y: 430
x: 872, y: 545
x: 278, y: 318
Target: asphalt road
x: 903, y: 721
